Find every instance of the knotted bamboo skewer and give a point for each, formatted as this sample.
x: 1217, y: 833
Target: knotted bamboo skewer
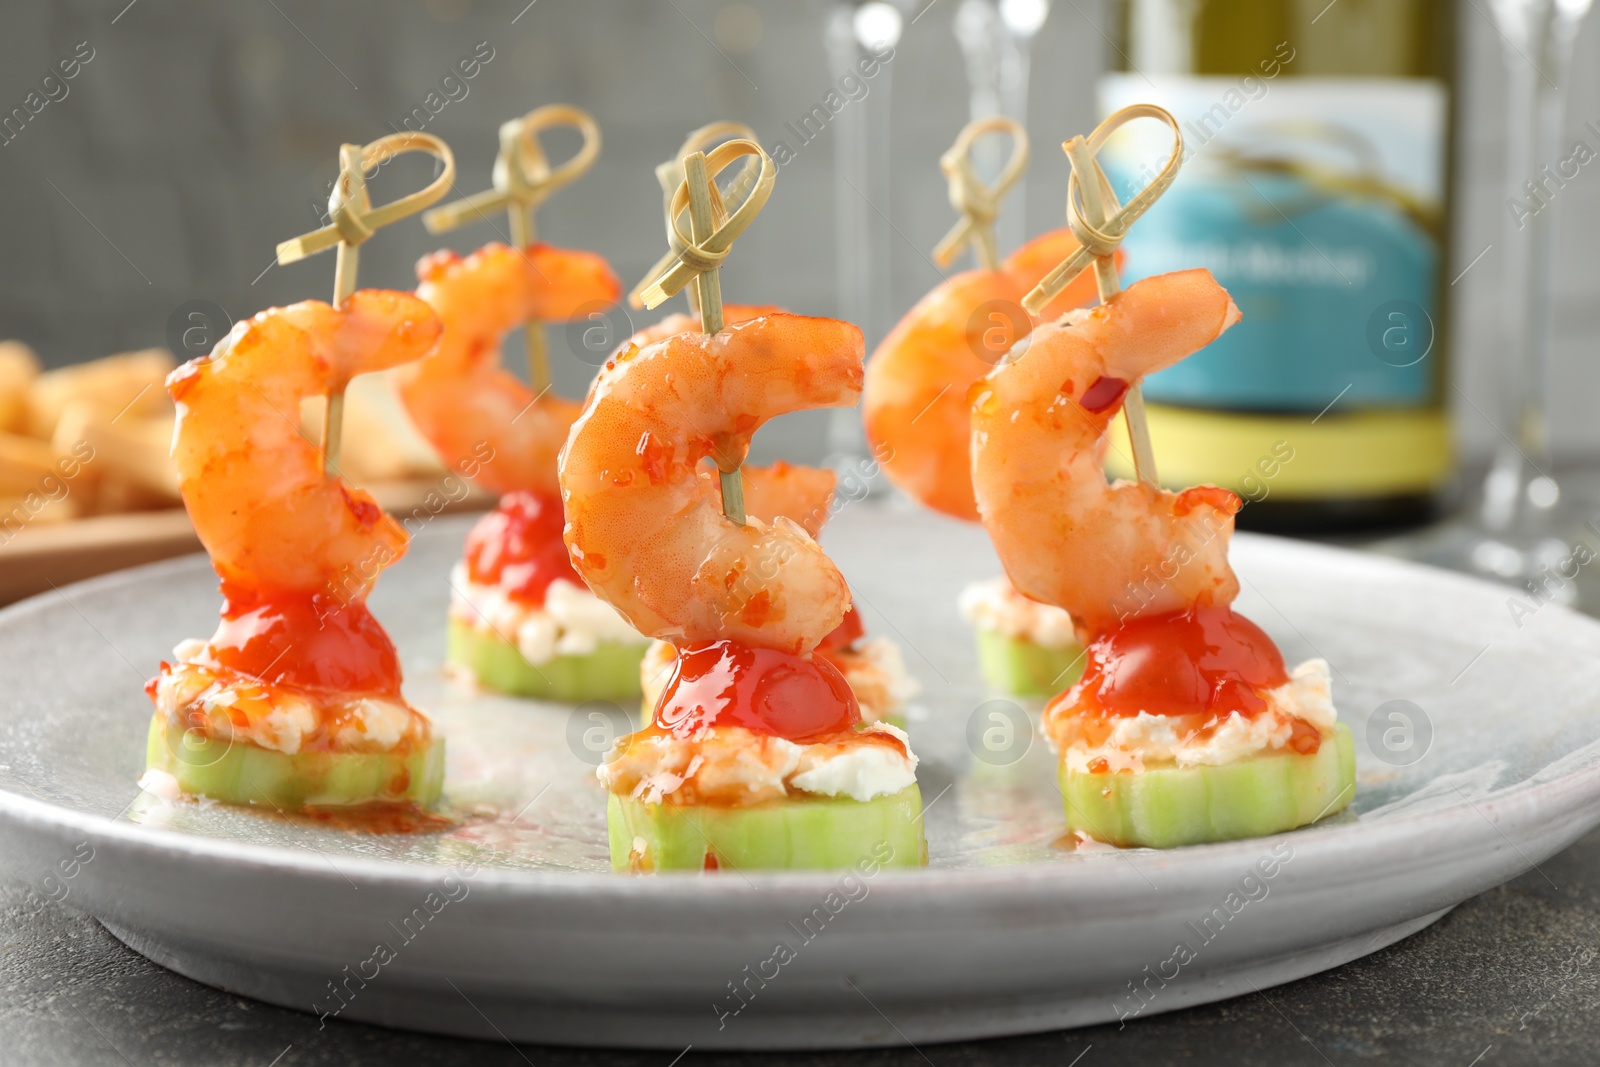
x: 978, y: 203
x: 354, y: 219
x: 1100, y: 223
x: 670, y: 174
x: 523, y: 179
x: 703, y: 249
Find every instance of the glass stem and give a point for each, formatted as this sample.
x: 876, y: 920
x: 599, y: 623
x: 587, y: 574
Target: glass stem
x: 1521, y: 488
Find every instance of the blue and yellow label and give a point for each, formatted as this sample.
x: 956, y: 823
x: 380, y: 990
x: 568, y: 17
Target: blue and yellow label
x: 1316, y: 203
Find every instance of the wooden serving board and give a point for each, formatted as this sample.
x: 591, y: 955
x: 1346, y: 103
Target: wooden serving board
x: 51, y: 555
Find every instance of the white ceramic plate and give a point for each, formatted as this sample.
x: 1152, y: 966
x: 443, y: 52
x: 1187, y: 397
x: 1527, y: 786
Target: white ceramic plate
x: 511, y: 923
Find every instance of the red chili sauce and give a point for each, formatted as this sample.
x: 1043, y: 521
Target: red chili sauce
x: 1202, y: 665
x: 518, y: 548
x: 725, y: 683
x: 312, y: 641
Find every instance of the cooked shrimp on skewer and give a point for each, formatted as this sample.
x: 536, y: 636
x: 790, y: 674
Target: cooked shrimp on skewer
x: 1038, y: 423
x: 914, y: 400
x: 917, y: 417
x: 461, y: 397
x: 295, y: 700
x: 752, y: 729
x: 873, y: 666
x: 631, y: 463
x: 521, y: 620
x: 255, y: 488
x: 1186, y: 726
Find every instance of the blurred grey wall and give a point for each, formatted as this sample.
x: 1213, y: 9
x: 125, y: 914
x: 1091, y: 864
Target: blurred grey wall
x: 200, y: 134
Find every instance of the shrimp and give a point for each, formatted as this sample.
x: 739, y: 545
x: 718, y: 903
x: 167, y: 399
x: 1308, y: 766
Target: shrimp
x: 460, y: 397
x: 798, y: 493
x: 255, y: 488
x: 801, y: 494
x: 915, y: 399
x: 732, y: 315
x: 642, y: 528
x: 1103, y: 552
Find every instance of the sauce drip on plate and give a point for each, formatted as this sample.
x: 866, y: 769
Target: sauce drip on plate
x: 725, y: 683
x: 518, y: 547
x: 1206, y: 661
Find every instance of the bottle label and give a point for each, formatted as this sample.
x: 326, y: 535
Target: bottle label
x: 1317, y: 203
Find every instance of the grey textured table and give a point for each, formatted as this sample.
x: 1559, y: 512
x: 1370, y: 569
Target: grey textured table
x: 1510, y: 977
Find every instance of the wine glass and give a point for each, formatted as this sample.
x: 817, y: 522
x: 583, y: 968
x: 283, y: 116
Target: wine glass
x: 996, y: 38
x: 1523, y: 530
x: 862, y: 194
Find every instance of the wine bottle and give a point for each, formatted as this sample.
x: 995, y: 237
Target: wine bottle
x: 1316, y: 188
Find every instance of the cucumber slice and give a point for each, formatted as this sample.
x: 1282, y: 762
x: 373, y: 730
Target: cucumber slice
x: 610, y: 672
x: 242, y: 773
x: 1022, y: 668
x: 1172, y: 806
x: 809, y: 833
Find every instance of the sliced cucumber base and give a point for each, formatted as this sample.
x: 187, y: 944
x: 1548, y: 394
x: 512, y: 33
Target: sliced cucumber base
x: 238, y: 772
x: 1022, y: 668
x: 1174, y: 806
x: 610, y: 672
x: 811, y: 833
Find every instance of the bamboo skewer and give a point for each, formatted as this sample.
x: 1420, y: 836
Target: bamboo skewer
x: 1100, y: 223
x: 708, y: 286
x: 523, y: 179
x: 353, y: 220
x: 708, y: 283
x: 702, y: 251
x: 670, y: 174
x: 979, y: 204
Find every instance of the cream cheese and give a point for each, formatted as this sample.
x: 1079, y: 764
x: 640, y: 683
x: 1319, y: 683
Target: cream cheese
x: 1139, y: 739
x: 995, y: 604
x: 233, y: 707
x: 877, y: 675
x: 737, y: 765
x: 571, y: 622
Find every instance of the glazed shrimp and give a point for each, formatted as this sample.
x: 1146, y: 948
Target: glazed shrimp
x: 1039, y: 421
x: 255, y: 488
x: 643, y: 530
x: 732, y: 315
x: 461, y: 397
x: 915, y: 398
x: 803, y: 495
x: 798, y: 493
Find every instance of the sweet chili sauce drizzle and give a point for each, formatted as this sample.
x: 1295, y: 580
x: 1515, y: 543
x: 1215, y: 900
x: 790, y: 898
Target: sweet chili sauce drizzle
x: 518, y: 548
x: 1205, y: 661
x: 310, y: 640
x: 725, y: 683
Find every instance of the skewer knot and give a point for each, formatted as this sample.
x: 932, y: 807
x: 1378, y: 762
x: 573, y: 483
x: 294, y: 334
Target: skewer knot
x: 691, y: 257
x: 1094, y: 215
x: 352, y: 218
x: 523, y: 177
x: 670, y: 173
x: 978, y: 202
x: 348, y: 212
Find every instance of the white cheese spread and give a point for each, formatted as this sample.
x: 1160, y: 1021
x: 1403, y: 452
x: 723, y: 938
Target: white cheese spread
x: 571, y: 622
